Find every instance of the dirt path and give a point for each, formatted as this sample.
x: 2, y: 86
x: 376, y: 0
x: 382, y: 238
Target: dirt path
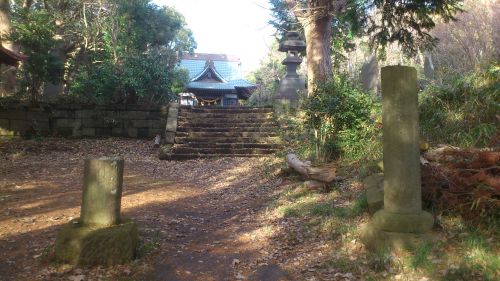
x: 199, y: 220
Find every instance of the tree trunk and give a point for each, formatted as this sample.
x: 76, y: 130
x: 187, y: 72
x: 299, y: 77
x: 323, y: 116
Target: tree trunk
x: 5, y: 22
x: 50, y: 90
x: 27, y: 4
x: 318, y: 33
x: 7, y: 73
x: 316, y: 19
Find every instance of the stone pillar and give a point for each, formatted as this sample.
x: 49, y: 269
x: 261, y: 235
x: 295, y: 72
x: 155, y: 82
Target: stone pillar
x: 100, y: 236
x: 428, y: 67
x: 369, y: 76
x: 171, y: 126
x: 102, y: 191
x: 402, y: 212
x: 401, y: 140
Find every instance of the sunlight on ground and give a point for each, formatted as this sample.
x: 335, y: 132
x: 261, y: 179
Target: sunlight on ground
x: 333, y: 218
x: 260, y: 234
x: 153, y: 192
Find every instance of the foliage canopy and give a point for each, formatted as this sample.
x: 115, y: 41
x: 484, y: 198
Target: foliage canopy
x: 407, y: 22
x: 106, y: 51
x: 328, y: 26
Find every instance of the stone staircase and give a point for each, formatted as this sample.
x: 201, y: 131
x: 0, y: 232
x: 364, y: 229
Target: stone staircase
x: 224, y: 132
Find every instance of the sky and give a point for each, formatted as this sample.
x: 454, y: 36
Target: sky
x: 233, y: 27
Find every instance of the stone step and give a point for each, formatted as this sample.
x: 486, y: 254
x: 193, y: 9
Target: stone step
x: 226, y: 134
x: 226, y: 109
x: 274, y: 140
x: 186, y: 124
x: 172, y: 157
x: 222, y: 151
x: 225, y: 115
x: 230, y: 145
x: 204, y: 132
x: 227, y: 129
x: 231, y: 120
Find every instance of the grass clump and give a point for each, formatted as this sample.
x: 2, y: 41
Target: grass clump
x: 464, y: 113
x: 420, y: 257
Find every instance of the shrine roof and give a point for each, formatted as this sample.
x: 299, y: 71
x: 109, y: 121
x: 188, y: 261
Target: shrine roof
x: 229, y: 70
x: 215, y: 72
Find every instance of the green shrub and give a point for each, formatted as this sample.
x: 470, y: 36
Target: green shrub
x: 463, y: 114
x: 96, y: 85
x: 340, y: 119
x: 145, y: 78
x: 35, y: 31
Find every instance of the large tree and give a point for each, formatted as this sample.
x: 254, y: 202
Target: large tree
x: 105, y: 51
x: 404, y: 21
x: 7, y: 73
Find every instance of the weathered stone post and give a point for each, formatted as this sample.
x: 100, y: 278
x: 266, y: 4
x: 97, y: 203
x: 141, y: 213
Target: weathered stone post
x: 102, y: 191
x: 100, y: 236
x: 429, y: 70
x: 369, y: 76
x: 402, y: 219
x: 171, y: 127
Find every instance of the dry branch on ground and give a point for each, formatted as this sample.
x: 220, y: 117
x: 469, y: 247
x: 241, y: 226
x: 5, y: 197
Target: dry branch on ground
x: 317, y: 177
x: 466, y: 181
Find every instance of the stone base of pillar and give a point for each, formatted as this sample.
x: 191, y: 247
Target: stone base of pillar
x: 377, y: 240
x: 397, y: 231
x: 83, y: 245
x: 406, y: 223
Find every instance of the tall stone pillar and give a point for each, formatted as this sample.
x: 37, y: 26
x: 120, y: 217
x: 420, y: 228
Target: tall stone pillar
x: 402, y: 216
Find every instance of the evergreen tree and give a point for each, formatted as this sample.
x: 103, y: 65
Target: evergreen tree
x: 405, y: 21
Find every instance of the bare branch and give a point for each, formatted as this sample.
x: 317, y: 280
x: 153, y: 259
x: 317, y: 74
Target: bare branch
x: 295, y: 8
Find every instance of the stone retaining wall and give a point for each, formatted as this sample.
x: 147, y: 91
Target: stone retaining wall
x: 75, y: 120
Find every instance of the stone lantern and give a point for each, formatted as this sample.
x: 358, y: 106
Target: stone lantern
x: 292, y: 83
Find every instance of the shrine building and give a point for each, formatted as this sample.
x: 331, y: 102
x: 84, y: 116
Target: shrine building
x: 216, y: 79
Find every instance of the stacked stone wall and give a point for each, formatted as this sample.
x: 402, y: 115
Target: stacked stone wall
x: 75, y: 120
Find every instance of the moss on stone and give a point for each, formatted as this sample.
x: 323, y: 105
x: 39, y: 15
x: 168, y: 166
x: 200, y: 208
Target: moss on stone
x: 83, y: 245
